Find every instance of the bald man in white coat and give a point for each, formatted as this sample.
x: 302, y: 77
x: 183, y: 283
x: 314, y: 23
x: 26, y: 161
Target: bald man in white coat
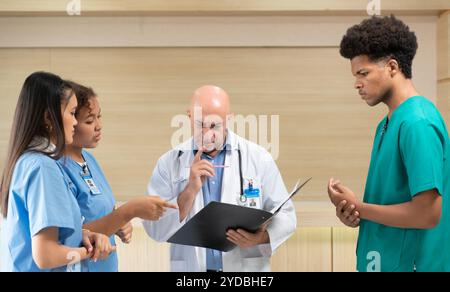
x: 207, y: 168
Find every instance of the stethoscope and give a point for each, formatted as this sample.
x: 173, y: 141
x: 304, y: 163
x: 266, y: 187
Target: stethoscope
x: 242, y: 196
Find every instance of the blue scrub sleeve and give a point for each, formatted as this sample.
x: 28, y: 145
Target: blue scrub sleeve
x: 48, y: 200
x: 422, y: 150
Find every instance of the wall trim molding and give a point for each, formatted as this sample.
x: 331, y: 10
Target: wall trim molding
x: 261, y: 31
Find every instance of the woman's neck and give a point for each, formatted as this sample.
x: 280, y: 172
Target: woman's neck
x: 75, y: 153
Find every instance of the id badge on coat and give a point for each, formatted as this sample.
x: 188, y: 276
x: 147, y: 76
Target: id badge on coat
x: 252, y: 193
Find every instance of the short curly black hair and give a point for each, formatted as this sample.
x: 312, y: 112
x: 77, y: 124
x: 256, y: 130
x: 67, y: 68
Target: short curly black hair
x: 83, y: 94
x: 379, y: 38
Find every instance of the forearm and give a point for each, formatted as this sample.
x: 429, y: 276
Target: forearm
x: 111, y: 223
x: 52, y: 255
x: 185, y: 202
x: 405, y: 215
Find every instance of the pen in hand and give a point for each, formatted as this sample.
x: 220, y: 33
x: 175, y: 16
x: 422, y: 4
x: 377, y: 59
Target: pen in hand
x: 215, y: 166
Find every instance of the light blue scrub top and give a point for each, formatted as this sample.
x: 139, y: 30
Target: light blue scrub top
x: 93, y: 206
x: 40, y: 196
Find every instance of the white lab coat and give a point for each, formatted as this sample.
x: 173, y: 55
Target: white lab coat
x: 170, y: 178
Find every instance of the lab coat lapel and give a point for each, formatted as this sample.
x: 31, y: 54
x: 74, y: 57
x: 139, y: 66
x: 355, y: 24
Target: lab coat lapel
x: 230, y: 181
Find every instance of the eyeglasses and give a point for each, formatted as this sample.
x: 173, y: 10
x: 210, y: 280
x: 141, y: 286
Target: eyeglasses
x: 208, y: 125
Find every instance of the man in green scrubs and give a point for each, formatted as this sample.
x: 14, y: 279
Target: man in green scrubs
x: 404, y: 217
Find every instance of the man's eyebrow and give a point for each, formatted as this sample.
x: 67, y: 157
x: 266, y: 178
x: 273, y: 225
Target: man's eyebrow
x: 360, y: 70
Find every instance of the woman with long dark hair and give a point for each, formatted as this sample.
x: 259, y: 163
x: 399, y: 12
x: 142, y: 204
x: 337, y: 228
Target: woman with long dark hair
x: 42, y: 224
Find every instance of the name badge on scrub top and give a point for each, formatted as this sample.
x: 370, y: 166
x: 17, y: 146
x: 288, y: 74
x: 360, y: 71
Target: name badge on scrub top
x: 252, y: 193
x: 87, y: 177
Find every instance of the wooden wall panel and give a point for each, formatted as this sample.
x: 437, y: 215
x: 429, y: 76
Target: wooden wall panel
x: 143, y: 254
x: 325, y: 129
x: 344, y: 249
x: 443, y: 66
x: 308, y: 250
x: 15, y: 66
x: 443, y: 46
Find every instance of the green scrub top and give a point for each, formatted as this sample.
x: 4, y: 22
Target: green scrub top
x: 410, y: 155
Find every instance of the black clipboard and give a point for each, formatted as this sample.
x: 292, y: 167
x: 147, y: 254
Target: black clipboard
x: 208, y: 227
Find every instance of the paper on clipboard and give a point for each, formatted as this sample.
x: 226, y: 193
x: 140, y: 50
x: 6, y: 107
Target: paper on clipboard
x: 297, y: 188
